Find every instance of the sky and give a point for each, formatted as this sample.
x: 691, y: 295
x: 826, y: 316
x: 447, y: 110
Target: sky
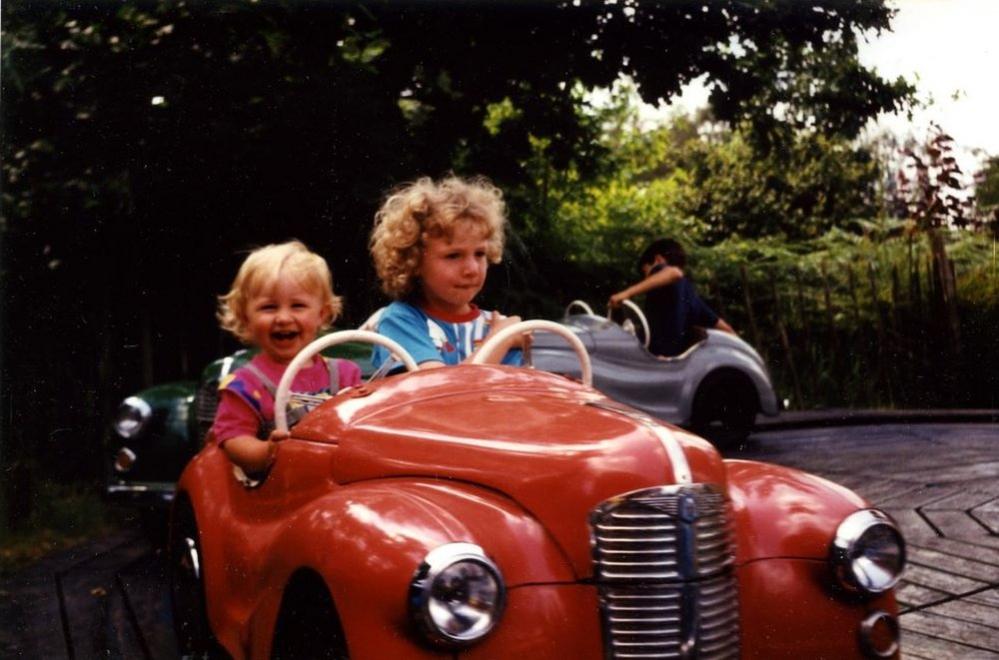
x: 947, y: 49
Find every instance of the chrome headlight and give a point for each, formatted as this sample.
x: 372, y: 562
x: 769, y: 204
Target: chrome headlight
x: 868, y: 552
x: 132, y: 417
x: 457, y: 594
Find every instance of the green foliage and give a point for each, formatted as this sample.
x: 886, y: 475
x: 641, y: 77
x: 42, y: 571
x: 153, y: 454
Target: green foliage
x: 931, y: 188
x: 778, y: 65
x: 987, y: 193
x: 865, y: 327
x: 230, y: 115
x: 800, y: 85
x: 705, y: 184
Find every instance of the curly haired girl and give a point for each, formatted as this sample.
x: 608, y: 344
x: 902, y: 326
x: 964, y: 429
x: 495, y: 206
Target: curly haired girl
x: 432, y: 244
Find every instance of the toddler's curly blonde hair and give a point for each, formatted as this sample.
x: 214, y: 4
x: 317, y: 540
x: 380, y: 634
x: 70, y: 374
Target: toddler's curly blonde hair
x: 260, y: 271
x: 426, y: 209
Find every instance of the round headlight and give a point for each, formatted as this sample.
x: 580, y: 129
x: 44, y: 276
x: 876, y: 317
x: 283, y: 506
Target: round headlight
x: 868, y: 553
x: 457, y: 594
x: 132, y: 417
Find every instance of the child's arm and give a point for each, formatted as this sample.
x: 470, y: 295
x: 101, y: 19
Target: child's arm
x: 662, y: 277
x: 705, y: 317
x: 235, y: 429
x: 722, y: 325
x: 250, y: 453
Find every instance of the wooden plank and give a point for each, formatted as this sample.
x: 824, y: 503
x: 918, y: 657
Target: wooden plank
x: 965, y: 549
x: 146, y: 594
x: 32, y: 620
x: 942, y: 581
x: 85, y: 587
x: 964, y: 499
x: 959, y: 525
x: 886, y: 490
x: 976, y: 636
x: 910, y: 499
x: 911, y: 595
x: 917, y: 645
x: 964, y: 610
x: 31, y: 610
x: 955, y: 564
x: 121, y: 638
x: 928, y: 496
x: 987, y: 517
x: 975, y: 469
x: 914, y: 528
x: 990, y: 597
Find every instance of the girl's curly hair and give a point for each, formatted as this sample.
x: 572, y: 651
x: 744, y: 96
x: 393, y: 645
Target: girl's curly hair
x: 425, y: 209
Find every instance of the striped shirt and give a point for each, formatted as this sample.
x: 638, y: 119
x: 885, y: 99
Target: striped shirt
x: 432, y: 336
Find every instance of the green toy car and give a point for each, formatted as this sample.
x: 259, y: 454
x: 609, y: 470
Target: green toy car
x: 157, y: 430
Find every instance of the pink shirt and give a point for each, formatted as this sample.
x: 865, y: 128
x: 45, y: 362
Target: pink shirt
x: 245, y: 402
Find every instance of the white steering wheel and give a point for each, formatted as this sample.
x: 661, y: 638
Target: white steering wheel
x: 578, y: 303
x: 495, y: 343
x: 628, y: 325
x: 283, y: 392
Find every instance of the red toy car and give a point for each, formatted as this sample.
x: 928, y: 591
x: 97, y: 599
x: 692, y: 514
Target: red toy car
x: 485, y: 511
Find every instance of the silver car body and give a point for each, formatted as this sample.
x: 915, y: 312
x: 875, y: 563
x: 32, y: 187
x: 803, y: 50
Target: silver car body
x: 625, y: 370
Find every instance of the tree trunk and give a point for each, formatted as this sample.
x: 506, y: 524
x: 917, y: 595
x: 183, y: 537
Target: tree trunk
x: 947, y: 288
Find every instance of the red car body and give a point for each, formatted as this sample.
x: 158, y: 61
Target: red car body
x: 516, y: 461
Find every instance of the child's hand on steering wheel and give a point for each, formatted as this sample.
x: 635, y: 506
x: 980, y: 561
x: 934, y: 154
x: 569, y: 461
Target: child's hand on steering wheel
x: 497, y: 322
x: 616, y: 299
x: 273, y: 439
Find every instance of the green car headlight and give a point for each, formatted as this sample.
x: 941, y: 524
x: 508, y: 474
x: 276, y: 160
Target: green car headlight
x: 868, y: 552
x: 133, y: 415
x: 457, y: 595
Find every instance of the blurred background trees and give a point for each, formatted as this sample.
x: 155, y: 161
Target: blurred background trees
x: 147, y: 146
x: 987, y: 194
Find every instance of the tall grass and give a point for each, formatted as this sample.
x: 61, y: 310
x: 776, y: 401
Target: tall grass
x: 863, y: 317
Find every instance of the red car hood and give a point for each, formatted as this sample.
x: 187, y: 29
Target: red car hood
x: 552, y: 445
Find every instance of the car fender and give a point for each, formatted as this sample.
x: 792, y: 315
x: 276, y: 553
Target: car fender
x: 365, y: 540
x: 783, y: 512
x: 784, y: 521
x: 708, y: 358
x: 387, y: 527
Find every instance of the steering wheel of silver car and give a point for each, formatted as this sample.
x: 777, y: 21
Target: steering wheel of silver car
x: 496, y: 342
x: 580, y: 304
x: 283, y: 392
x: 637, y: 312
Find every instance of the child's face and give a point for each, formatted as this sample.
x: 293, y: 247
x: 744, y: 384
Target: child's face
x: 284, y: 318
x: 453, y: 270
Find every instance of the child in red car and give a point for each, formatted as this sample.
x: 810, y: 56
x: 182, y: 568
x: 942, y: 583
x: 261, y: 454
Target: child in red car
x: 432, y: 245
x: 280, y: 299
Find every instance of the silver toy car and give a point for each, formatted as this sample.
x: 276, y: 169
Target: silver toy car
x: 716, y: 387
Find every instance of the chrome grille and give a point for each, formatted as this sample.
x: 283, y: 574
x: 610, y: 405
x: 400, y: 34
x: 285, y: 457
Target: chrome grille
x: 662, y: 563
